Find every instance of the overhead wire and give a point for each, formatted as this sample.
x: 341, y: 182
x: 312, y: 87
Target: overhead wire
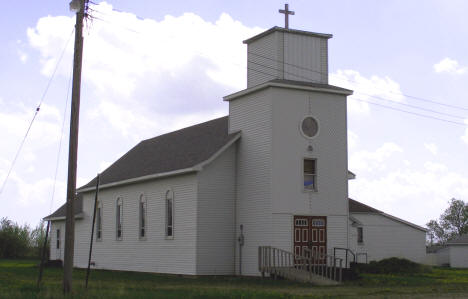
x: 38, y: 108
x: 57, y: 163
x: 373, y: 96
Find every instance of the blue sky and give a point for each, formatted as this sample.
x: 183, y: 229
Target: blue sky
x: 151, y: 67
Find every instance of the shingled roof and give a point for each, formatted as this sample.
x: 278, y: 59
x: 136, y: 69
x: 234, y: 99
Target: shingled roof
x: 173, y: 151
x: 60, y: 213
x: 358, y: 207
x: 461, y: 240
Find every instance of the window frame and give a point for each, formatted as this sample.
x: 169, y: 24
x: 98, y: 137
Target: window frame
x: 99, y: 221
x: 57, y: 236
x: 314, y: 175
x: 303, y: 133
x: 169, y: 226
x: 119, y: 219
x: 360, y: 235
x: 142, y: 217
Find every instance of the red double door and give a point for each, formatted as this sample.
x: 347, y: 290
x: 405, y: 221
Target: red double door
x: 310, y: 232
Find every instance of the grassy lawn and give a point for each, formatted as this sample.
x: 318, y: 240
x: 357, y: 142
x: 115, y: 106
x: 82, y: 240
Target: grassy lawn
x: 18, y: 280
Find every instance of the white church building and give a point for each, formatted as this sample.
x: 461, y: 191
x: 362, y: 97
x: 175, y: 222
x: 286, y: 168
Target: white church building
x: 274, y: 172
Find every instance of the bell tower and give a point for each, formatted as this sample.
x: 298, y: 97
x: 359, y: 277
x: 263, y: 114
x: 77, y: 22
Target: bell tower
x: 287, y: 54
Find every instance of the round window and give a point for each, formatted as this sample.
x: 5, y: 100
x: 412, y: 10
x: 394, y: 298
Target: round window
x: 309, y: 127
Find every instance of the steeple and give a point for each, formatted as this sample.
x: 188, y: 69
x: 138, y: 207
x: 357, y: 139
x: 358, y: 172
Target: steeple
x: 289, y: 54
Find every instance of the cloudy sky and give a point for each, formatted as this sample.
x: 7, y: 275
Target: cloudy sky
x: 151, y: 67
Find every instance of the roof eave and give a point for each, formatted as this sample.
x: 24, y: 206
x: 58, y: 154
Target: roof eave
x: 77, y: 216
x: 140, y: 179
x: 294, y: 31
x: 284, y: 85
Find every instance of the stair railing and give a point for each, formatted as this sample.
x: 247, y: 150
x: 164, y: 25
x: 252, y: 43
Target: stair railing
x: 279, y: 262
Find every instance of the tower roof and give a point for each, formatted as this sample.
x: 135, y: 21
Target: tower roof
x: 293, y: 31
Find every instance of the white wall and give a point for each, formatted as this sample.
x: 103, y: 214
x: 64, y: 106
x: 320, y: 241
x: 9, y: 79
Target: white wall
x: 385, y: 238
x: 290, y: 56
x: 458, y: 256
x: 290, y: 147
x: 216, y: 239
x: 252, y: 115
x: 156, y: 253
x: 57, y: 253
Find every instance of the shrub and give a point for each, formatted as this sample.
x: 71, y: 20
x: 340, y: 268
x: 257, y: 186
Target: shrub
x: 392, y: 265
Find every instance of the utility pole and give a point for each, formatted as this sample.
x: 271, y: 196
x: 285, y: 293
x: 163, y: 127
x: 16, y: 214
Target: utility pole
x: 79, y: 7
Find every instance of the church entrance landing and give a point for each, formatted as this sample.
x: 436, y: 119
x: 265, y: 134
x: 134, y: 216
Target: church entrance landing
x: 310, y: 232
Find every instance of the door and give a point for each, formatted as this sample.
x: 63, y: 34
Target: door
x: 310, y: 232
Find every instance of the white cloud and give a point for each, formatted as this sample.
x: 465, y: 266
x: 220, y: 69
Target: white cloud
x: 367, y: 161
x: 374, y: 89
x: 136, y: 67
x: 431, y: 147
x: 353, y: 139
x: 465, y: 137
x: 451, y: 66
x: 414, y: 195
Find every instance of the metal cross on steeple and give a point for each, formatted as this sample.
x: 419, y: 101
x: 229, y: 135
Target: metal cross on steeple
x: 286, y: 12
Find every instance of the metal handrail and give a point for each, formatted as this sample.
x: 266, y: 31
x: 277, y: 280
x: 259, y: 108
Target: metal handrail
x: 277, y: 261
x: 346, y: 254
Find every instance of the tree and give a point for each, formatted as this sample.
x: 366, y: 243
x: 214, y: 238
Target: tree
x: 14, y: 239
x: 452, y: 223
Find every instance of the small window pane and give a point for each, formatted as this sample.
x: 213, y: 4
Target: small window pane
x: 309, y: 166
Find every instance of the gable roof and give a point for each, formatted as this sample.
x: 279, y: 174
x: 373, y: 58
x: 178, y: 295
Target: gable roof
x: 360, y: 208
x: 60, y: 213
x: 181, y: 149
x: 461, y: 240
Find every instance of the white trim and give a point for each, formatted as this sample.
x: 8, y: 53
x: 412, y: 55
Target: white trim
x: 302, y: 131
x: 283, y: 85
x: 140, y: 179
x: 195, y: 168
x: 77, y: 216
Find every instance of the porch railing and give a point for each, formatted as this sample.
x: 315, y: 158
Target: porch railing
x: 280, y: 262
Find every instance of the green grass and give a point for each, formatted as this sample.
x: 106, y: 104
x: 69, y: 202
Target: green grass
x: 18, y: 280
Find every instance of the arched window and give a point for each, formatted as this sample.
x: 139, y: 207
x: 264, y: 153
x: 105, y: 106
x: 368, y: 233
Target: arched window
x: 99, y: 221
x: 142, y: 220
x: 119, y: 219
x: 169, y: 214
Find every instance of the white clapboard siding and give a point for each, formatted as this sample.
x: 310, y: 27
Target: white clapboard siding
x: 264, y: 58
x: 290, y: 147
x: 287, y: 55
x: 216, y: 211
x: 155, y: 253
x: 304, y: 58
x: 458, y: 256
x: 57, y: 253
x: 252, y: 115
x: 385, y: 238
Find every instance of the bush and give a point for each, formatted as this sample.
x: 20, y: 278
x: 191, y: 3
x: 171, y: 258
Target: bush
x: 14, y: 239
x: 20, y: 241
x: 392, y: 266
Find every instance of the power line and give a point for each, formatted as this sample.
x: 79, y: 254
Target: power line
x: 349, y: 80
x: 38, y: 108
x: 308, y: 69
x: 410, y: 112
x: 60, y: 143
x: 353, y: 81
